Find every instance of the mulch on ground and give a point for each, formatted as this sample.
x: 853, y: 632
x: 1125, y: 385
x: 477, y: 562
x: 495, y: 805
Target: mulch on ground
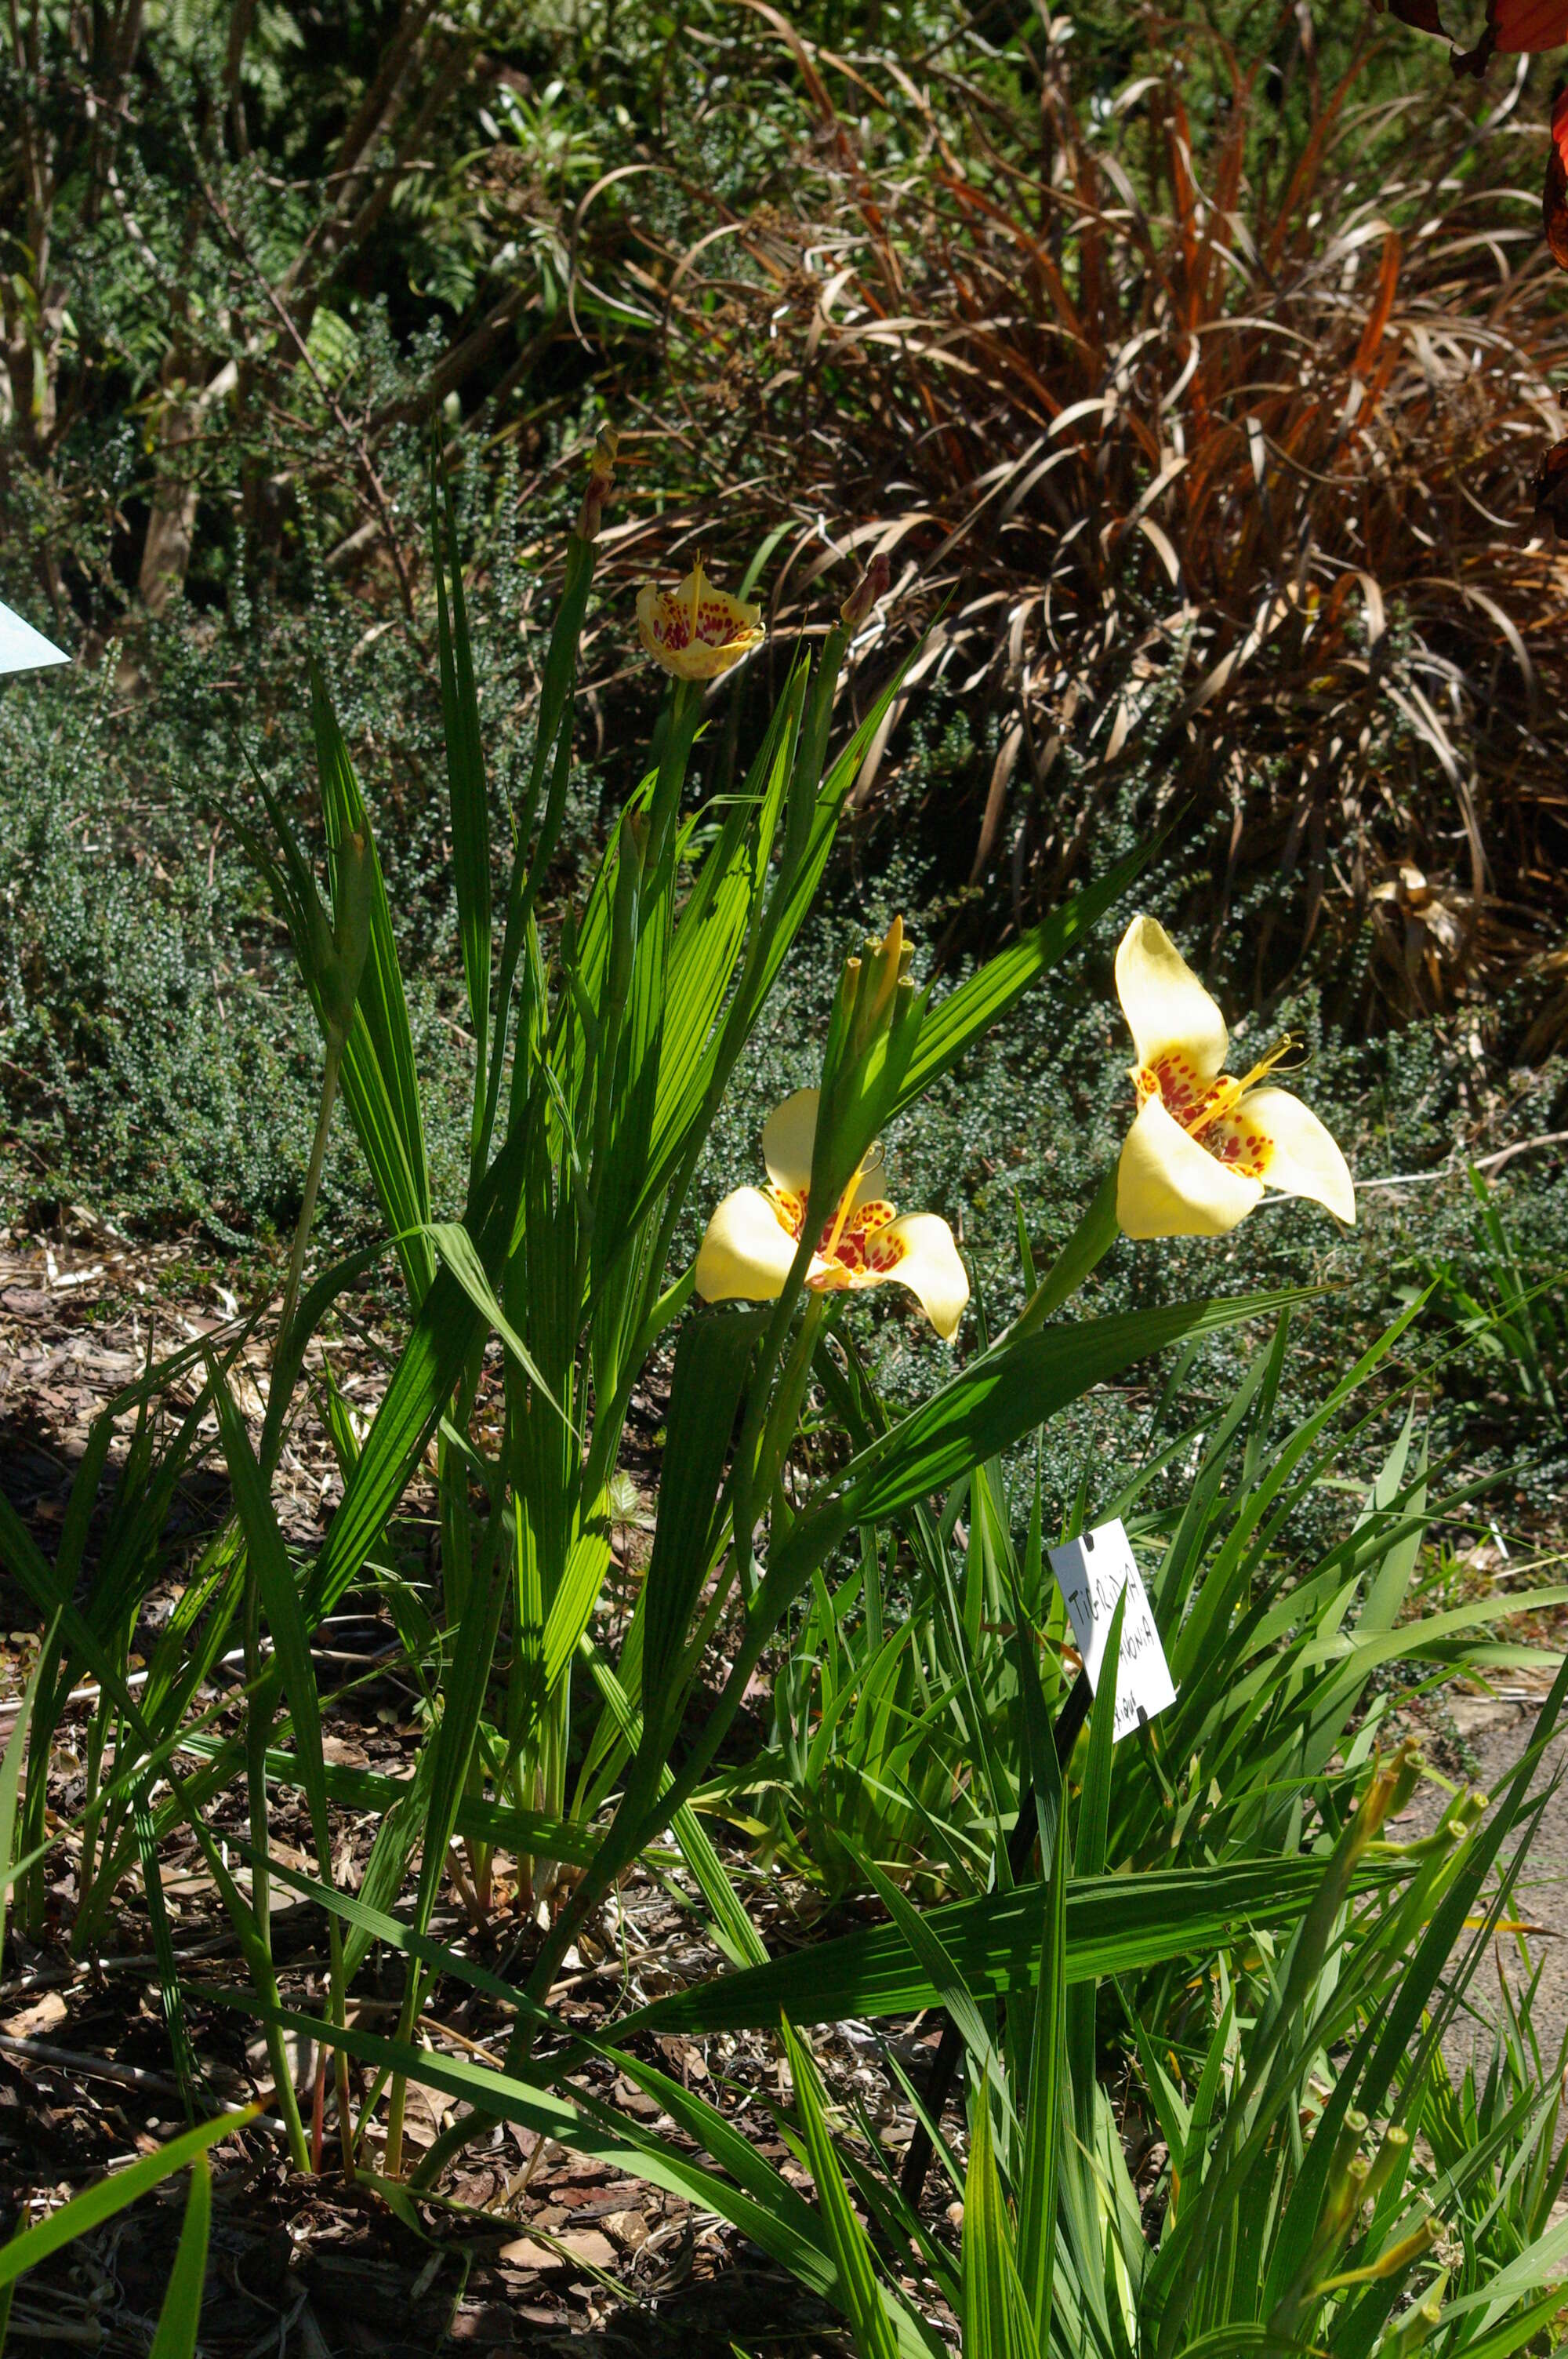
x: 531, y: 2245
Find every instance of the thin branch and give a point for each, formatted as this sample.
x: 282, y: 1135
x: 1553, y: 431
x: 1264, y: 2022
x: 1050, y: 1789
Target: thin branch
x: 355, y: 441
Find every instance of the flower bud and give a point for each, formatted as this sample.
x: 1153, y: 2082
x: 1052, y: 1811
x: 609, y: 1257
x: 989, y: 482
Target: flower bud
x: 352, y: 913
x: 1408, y: 1765
x: 1418, y: 2324
x: 339, y: 952
x: 601, y: 474
x: 1389, y: 1780
x: 1467, y: 1812
x: 1392, y: 2153
x: 1397, y: 2258
x: 1347, y: 2145
x: 871, y: 585
x: 881, y: 972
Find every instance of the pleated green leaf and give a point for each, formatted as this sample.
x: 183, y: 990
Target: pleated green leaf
x: 466, y: 789
x: 956, y: 1022
x: 850, y: 2245
x: 1115, y: 1924
x: 10, y: 1779
x: 381, y: 1082
x: 994, y: 1402
x: 285, y: 1614
x: 456, y: 1247
x: 711, y: 1360
x: 422, y: 1384
x: 995, y: 2310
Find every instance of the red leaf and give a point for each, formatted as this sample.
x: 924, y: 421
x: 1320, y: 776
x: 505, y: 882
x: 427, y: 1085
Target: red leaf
x: 1514, y: 27
x: 1421, y: 14
x: 1517, y: 26
x: 1551, y: 486
x: 1554, y: 196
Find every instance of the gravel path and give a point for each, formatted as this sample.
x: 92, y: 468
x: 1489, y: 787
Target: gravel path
x: 1495, y: 1733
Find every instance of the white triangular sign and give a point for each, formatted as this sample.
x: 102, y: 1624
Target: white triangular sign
x: 22, y: 648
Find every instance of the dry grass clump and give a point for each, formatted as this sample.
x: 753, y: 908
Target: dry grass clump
x: 1201, y: 443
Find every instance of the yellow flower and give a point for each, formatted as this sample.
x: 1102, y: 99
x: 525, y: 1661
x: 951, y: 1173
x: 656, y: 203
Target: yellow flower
x: 696, y: 631
x: 752, y: 1236
x: 1203, y: 1145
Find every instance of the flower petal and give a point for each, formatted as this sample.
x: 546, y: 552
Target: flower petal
x: 1167, y: 1009
x: 746, y: 1251
x: 696, y: 631
x: 1298, y: 1152
x: 918, y: 1250
x: 789, y: 1135
x: 1169, y: 1186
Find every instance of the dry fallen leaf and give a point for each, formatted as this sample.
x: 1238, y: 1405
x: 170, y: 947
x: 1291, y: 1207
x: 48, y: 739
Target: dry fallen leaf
x: 585, y: 2245
x: 35, y: 2022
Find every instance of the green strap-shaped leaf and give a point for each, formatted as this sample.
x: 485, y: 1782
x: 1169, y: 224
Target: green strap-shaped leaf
x: 774, y: 2217
x: 99, y: 2203
x: 1115, y: 1925
x: 734, y: 1930
x: 285, y: 1614
x: 959, y: 1020
x: 10, y: 1779
x: 711, y: 1360
x: 996, y: 2323
x: 163, y: 1949
x: 466, y: 788
x: 1000, y: 1396
x: 422, y: 1383
x: 456, y: 1247
x: 859, y: 2294
x: 467, y: 1685
x: 381, y: 1082
x: 180, y: 2320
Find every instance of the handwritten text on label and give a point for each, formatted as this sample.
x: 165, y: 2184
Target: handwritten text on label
x: 1091, y: 1572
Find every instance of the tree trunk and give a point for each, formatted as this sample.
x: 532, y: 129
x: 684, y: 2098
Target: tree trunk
x: 171, y: 527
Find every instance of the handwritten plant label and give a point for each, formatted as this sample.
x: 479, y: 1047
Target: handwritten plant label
x: 1091, y: 1572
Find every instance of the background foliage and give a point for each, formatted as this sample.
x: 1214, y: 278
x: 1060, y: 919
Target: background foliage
x: 1191, y: 374
x: 839, y: 283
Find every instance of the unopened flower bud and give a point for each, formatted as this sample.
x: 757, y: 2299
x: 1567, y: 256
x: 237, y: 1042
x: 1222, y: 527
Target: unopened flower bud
x: 356, y: 885
x: 877, y: 978
x: 1390, y: 2157
x: 1419, y: 2323
x: 871, y: 585
x: 1408, y: 1765
x: 1389, y: 1780
x: 340, y: 950
x: 1348, y: 2145
x: 1466, y: 1813
x: 601, y: 475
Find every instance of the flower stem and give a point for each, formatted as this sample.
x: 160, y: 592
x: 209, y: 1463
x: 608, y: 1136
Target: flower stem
x: 1088, y: 1245
x: 312, y: 1183
x: 259, y: 1716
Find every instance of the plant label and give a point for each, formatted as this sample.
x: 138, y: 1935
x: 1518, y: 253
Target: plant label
x: 1091, y: 1572
x: 22, y: 648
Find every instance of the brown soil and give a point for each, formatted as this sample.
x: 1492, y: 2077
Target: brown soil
x: 531, y: 2249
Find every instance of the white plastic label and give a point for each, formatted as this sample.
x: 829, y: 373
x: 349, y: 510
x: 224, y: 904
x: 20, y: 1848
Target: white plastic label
x: 1091, y: 1572
x: 21, y: 647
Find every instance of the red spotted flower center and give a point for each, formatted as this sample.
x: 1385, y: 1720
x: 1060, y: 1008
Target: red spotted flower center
x: 1213, y: 1112
x: 853, y: 1245
x: 709, y: 621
